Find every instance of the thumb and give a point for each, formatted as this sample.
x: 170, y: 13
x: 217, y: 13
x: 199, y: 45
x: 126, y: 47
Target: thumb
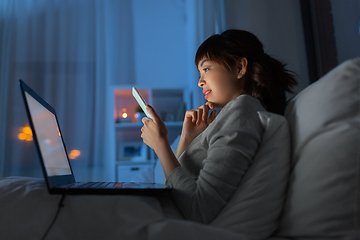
x: 211, y: 117
x: 152, y: 113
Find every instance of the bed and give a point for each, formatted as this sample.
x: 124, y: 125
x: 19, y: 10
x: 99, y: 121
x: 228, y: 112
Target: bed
x: 317, y: 194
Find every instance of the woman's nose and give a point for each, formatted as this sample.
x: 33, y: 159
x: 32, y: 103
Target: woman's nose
x: 201, y: 82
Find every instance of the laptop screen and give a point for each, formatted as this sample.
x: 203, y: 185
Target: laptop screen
x: 49, y: 139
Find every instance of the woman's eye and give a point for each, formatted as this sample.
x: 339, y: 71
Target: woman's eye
x: 206, y: 69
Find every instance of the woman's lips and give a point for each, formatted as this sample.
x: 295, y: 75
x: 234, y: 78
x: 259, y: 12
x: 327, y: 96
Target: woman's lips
x: 206, y: 92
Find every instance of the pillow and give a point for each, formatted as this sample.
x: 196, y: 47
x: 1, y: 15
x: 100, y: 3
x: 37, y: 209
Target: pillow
x: 255, y: 207
x: 323, y: 200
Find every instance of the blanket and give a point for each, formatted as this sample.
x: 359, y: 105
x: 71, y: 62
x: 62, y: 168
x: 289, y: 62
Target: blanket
x: 27, y: 211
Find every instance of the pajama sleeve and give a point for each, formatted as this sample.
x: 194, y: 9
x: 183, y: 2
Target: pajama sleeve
x: 227, y: 149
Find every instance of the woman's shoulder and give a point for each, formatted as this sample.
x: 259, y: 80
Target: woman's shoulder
x: 247, y: 99
x: 239, y: 112
x: 243, y: 104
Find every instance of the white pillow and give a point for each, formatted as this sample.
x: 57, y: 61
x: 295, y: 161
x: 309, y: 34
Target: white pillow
x: 323, y: 199
x: 255, y: 208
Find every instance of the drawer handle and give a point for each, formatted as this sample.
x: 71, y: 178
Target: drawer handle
x: 135, y: 169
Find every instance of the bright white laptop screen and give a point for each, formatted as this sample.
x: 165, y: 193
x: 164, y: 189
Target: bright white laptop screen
x: 49, y: 139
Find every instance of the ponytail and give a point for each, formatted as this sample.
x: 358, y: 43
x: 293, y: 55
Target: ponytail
x: 268, y: 80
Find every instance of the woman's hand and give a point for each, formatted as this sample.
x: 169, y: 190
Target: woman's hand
x: 154, y: 132
x: 195, y: 122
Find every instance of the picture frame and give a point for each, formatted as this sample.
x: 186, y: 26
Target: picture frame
x: 132, y: 151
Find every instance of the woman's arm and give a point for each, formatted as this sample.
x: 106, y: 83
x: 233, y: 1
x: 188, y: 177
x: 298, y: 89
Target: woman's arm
x: 182, y: 145
x: 155, y: 133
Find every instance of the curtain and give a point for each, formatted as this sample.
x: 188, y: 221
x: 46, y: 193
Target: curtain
x: 67, y: 51
x: 71, y: 52
x: 205, y: 18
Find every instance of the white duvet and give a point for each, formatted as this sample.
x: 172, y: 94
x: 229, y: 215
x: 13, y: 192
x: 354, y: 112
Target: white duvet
x: 27, y: 210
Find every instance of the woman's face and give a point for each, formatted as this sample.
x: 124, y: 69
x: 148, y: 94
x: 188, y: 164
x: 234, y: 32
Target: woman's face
x: 219, y: 85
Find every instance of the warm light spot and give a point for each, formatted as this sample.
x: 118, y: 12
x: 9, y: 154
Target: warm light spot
x: 74, y: 154
x: 26, y: 134
x: 27, y: 130
x: 22, y: 136
x: 124, y: 113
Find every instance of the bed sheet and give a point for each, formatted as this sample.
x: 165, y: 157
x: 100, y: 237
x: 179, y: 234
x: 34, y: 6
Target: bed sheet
x: 27, y: 210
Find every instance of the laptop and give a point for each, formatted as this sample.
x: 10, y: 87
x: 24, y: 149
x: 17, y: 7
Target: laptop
x: 54, y: 159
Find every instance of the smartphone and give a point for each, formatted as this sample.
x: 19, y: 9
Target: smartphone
x: 141, y: 101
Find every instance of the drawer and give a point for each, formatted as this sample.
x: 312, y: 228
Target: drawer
x: 126, y: 173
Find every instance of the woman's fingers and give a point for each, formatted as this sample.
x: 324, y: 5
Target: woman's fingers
x: 200, y: 114
x: 195, y: 115
x: 205, y: 112
x: 192, y: 114
x: 210, y: 105
x: 199, y: 118
x: 154, y: 131
x: 145, y: 120
x: 211, y: 117
x: 152, y: 113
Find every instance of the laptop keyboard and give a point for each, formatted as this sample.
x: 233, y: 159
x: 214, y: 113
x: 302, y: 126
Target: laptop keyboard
x: 96, y: 185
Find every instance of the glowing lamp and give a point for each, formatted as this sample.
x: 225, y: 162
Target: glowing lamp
x: 74, y: 154
x: 124, y: 113
x: 124, y: 116
x: 26, y: 134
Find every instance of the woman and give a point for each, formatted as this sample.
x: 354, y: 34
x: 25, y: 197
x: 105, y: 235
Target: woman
x: 214, y: 153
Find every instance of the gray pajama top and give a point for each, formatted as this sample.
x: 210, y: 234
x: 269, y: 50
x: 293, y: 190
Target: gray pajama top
x: 217, y: 159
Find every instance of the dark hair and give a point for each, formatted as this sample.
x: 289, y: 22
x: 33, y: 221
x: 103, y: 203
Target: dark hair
x: 266, y: 78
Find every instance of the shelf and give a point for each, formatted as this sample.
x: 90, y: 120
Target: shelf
x: 170, y: 105
x: 134, y: 163
x: 128, y: 125
x: 174, y: 124
x: 124, y: 102
x: 139, y: 125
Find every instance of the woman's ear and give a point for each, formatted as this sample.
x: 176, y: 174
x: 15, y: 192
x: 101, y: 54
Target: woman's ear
x: 241, y: 67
